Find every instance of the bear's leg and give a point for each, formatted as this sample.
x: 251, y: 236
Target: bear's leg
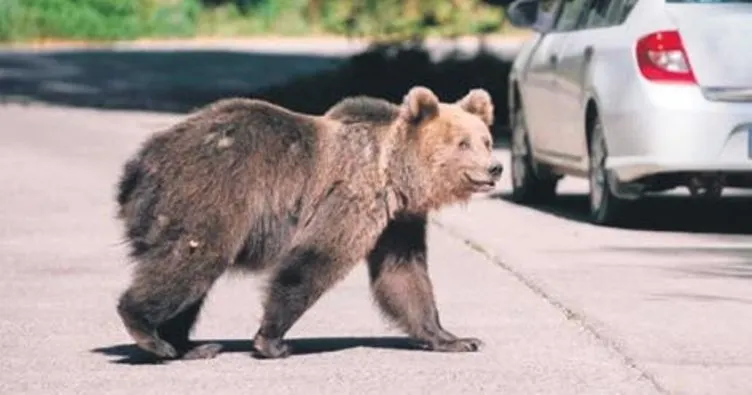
x: 164, y: 299
x: 401, y: 285
x: 304, y: 275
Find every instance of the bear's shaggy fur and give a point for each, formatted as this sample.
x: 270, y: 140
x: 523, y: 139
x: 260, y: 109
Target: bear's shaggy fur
x: 245, y: 184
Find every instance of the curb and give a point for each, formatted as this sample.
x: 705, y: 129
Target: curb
x: 248, y: 43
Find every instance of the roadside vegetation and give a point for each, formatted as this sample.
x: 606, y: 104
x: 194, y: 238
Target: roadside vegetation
x: 35, y: 20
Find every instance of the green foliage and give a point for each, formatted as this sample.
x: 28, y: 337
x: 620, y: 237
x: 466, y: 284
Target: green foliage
x: 11, y: 16
x: 89, y: 18
x: 97, y: 19
x: 130, y: 19
x: 174, y: 18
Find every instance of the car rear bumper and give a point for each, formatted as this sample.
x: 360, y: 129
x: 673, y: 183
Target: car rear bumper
x: 633, y: 168
x: 666, y: 129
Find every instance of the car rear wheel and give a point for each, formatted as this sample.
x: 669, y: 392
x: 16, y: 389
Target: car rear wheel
x: 605, y: 207
x: 527, y: 185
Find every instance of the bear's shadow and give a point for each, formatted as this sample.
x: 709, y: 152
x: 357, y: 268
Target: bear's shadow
x: 130, y: 354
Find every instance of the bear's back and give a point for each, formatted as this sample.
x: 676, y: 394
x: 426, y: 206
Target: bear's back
x: 227, y: 150
x: 256, y: 127
x: 363, y: 109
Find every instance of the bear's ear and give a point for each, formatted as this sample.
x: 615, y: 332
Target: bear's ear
x: 478, y: 102
x: 419, y: 104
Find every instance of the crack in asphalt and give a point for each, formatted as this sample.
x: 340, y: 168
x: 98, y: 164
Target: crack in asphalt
x: 569, y: 313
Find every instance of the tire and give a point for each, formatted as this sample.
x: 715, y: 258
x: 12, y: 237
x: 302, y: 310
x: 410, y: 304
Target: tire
x: 605, y: 207
x: 527, y: 185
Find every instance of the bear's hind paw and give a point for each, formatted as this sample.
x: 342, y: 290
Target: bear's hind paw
x: 203, y: 351
x: 158, y: 347
x: 469, y: 344
x: 270, y: 348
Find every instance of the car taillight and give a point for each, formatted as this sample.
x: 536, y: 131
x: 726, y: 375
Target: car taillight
x: 661, y: 58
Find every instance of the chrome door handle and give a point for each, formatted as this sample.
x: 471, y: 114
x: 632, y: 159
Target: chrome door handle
x: 588, y: 52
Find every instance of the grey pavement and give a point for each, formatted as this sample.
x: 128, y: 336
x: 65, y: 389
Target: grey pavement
x: 64, y: 265
x: 179, y: 76
x: 503, y: 45
x: 671, y: 295
x: 564, y: 307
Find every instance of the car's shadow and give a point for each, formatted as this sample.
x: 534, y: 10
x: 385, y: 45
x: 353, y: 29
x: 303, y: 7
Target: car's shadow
x: 132, y: 355
x: 729, y: 215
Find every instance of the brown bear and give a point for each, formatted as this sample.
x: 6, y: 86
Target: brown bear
x: 244, y: 184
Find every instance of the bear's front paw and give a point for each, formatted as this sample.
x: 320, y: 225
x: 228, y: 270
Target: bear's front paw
x: 469, y: 344
x: 270, y: 348
x: 203, y: 351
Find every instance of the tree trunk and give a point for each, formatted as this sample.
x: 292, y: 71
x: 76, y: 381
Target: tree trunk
x: 412, y: 8
x: 313, y: 11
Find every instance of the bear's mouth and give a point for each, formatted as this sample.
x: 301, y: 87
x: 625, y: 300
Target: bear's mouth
x: 481, y: 185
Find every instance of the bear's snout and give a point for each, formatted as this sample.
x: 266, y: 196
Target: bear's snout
x: 495, y: 169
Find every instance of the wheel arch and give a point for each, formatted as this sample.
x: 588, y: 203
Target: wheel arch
x: 514, y: 100
x: 591, y: 114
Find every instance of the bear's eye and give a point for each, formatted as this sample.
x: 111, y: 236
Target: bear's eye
x: 464, y: 144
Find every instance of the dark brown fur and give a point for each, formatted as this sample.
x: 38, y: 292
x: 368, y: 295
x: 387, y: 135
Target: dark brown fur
x: 245, y: 184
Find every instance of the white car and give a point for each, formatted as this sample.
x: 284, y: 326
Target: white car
x: 636, y: 95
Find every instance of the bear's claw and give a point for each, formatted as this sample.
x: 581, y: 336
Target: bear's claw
x: 270, y: 348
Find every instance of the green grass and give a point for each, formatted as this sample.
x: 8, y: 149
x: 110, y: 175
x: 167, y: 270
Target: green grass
x: 29, y: 20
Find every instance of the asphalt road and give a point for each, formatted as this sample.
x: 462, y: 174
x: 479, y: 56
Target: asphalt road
x: 671, y: 294
x: 63, y: 266
x: 563, y: 307
x: 175, y: 78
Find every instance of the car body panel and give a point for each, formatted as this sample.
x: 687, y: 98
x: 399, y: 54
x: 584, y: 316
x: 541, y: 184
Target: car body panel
x: 715, y: 37
x: 586, y: 68
x: 570, y: 73
x: 675, y: 128
x: 537, y: 82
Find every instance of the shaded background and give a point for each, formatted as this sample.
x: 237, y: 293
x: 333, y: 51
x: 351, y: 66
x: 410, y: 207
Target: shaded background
x: 390, y: 56
x: 181, y: 80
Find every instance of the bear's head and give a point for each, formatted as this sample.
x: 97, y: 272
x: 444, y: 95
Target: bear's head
x: 452, y: 144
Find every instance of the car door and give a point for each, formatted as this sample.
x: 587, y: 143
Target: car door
x: 570, y: 17
x: 536, y: 78
x: 593, y: 37
x: 574, y: 60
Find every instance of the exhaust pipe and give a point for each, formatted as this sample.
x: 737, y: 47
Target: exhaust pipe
x: 708, y: 186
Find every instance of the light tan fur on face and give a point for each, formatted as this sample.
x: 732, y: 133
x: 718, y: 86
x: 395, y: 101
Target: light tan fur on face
x: 478, y: 102
x: 453, y: 142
